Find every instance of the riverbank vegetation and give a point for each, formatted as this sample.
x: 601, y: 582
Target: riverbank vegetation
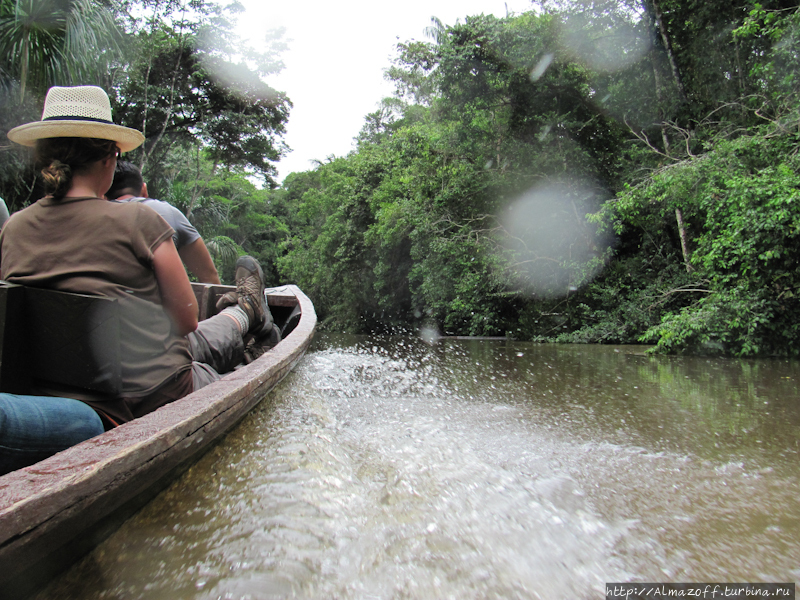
x: 615, y: 171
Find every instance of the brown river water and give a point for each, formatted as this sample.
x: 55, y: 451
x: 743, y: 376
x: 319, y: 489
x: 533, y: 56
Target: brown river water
x: 394, y: 468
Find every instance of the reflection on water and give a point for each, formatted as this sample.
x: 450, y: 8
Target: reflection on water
x: 390, y: 468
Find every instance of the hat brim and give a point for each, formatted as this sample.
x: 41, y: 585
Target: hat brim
x: 127, y: 139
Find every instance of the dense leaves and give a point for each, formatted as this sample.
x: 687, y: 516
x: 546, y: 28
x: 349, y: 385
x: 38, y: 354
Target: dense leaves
x: 416, y: 229
x: 189, y: 83
x: 609, y: 172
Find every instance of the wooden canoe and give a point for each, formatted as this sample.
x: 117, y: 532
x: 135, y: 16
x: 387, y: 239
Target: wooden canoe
x: 55, y: 511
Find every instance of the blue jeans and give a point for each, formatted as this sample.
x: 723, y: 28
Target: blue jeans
x: 35, y: 427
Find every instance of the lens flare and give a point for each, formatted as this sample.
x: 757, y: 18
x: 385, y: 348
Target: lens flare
x: 550, y: 246
x: 429, y: 334
x: 604, y: 46
x: 541, y: 66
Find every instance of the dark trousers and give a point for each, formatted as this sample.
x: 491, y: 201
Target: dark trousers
x: 216, y: 347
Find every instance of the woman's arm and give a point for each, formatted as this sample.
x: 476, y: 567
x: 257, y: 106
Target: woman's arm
x: 177, y: 296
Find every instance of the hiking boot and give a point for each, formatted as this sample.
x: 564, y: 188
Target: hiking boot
x: 250, y: 291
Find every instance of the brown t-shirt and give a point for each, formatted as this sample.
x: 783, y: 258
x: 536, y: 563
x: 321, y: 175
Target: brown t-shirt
x: 93, y: 246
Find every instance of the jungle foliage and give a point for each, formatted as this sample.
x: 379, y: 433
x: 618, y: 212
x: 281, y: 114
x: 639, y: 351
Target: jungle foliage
x: 593, y: 171
x: 599, y: 172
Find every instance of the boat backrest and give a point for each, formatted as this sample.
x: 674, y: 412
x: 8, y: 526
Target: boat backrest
x: 207, y: 295
x: 57, y: 338
x: 53, y: 340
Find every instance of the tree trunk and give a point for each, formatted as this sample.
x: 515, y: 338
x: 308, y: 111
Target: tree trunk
x: 149, y: 150
x: 26, y: 45
x: 653, y: 7
x: 684, y: 242
x: 199, y: 186
x: 660, y: 100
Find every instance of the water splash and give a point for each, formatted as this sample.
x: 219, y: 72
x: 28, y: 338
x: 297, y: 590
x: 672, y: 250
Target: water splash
x: 391, y: 468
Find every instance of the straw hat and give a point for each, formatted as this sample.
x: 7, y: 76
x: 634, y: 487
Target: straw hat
x: 82, y: 111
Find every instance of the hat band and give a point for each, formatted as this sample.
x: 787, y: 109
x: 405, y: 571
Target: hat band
x: 79, y: 119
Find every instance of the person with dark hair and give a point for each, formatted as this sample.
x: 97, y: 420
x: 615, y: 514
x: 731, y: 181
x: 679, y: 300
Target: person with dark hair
x: 75, y: 240
x: 129, y: 186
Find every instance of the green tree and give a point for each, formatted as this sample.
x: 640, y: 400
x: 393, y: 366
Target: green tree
x: 745, y: 194
x: 407, y: 230
x: 55, y: 42
x: 190, y: 83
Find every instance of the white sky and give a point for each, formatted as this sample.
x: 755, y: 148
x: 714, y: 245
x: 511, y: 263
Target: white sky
x: 336, y: 58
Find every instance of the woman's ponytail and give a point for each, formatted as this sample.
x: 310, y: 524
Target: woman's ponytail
x: 57, y: 179
x: 61, y: 158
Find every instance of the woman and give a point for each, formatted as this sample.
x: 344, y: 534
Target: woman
x: 76, y: 241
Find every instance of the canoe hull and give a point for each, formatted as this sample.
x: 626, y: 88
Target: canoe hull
x: 54, y: 511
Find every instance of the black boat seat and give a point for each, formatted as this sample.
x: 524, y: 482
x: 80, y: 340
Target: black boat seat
x: 58, y: 338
